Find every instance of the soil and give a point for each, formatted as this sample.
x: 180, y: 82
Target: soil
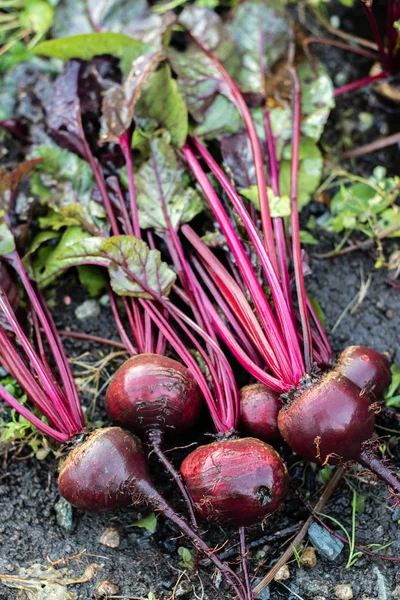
x: 145, y: 562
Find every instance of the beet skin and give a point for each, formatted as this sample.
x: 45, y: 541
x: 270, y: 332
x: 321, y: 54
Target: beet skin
x: 329, y: 421
x: 105, y: 472
x: 152, y: 392
x: 237, y: 482
x: 259, y: 408
x: 367, y: 368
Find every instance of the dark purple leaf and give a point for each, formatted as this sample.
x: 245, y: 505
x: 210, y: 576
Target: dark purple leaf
x: 120, y: 100
x: 17, y: 128
x: 76, y: 102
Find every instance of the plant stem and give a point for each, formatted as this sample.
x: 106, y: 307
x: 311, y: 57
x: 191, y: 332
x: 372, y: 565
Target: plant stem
x: 156, y: 442
x: 257, y: 154
x: 243, y: 559
x: 297, y: 254
x: 159, y: 503
x: 92, y: 338
x: 376, y: 466
x: 355, y: 85
x: 326, y: 494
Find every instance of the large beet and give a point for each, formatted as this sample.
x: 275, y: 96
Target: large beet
x: 237, y: 481
x: 106, y: 472
x: 329, y: 421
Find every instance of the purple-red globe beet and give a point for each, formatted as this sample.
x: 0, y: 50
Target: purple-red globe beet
x: 329, y: 421
x: 106, y: 472
x: 152, y: 392
x: 236, y: 482
x: 259, y: 408
x: 367, y: 368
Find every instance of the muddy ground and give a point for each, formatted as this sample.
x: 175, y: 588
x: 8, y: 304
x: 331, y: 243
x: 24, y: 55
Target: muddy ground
x: 144, y: 562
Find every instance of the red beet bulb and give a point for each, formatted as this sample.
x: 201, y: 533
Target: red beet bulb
x: 366, y: 368
x: 259, y: 408
x: 109, y: 470
x: 329, y: 421
x: 237, y: 481
x: 152, y: 392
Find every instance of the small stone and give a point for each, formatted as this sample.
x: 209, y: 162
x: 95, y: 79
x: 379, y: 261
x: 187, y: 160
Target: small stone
x: 64, y: 515
x: 105, y: 589
x: 319, y: 598
x: 308, y: 558
x: 344, y: 591
x: 325, y: 543
x: 396, y: 592
x: 112, y: 537
x: 282, y: 574
x: 89, y: 309
x: 183, y: 588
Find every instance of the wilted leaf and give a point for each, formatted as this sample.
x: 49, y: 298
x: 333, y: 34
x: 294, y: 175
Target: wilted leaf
x: 46, y: 263
x: 119, y: 101
x: 317, y: 99
x: 88, y: 45
x: 10, y: 180
x: 76, y: 101
x: 161, y: 106
x: 134, y: 268
x: 261, y: 31
x: 238, y: 157
x: 161, y: 189
x: 310, y: 171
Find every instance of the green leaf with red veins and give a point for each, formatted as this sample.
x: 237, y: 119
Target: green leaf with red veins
x: 163, y: 189
x: 119, y: 101
x: 134, y: 269
x: 261, y: 31
x: 199, y: 81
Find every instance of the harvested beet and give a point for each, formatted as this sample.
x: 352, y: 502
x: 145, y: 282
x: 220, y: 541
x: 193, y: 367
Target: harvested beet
x: 366, y: 368
x: 237, y: 481
x: 329, y: 421
x: 152, y: 392
x: 259, y: 408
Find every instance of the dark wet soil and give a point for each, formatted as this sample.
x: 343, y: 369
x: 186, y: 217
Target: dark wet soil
x: 144, y: 562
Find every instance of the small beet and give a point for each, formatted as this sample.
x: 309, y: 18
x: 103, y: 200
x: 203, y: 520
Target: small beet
x: 329, y: 421
x: 259, y: 408
x: 152, y: 392
x: 235, y: 482
x: 366, y: 368
x: 101, y: 474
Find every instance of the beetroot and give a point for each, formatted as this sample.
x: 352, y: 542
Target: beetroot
x: 329, y: 421
x: 237, y: 481
x: 152, y: 392
x: 259, y: 408
x: 109, y: 470
x: 366, y: 368
x: 106, y: 472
